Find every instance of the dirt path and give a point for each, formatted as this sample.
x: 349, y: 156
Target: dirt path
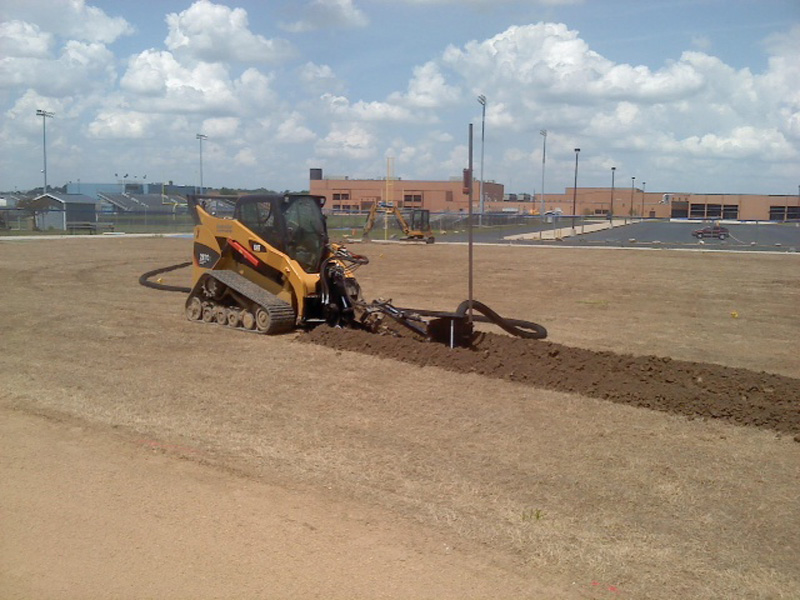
x: 89, y: 514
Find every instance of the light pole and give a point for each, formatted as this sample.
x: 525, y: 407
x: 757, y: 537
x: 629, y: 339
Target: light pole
x: 786, y: 212
x: 201, y: 137
x: 611, y: 210
x: 575, y: 190
x: 482, y: 102
x: 543, y: 133
x: 45, y: 115
x: 470, y: 179
x: 633, y: 179
x: 644, y: 183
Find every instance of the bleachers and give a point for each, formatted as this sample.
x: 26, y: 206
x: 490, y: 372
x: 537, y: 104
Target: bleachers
x: 151, y: 203
x: 123, y: 202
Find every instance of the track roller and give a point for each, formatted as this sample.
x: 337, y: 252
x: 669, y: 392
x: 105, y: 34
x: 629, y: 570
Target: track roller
x: 209, y: 313
x: 194, y: 309
x: 248, y: 320
x: 228, y: 299
x: 263, y: 320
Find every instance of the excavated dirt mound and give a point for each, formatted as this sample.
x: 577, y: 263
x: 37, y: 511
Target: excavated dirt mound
x: 685, y: 388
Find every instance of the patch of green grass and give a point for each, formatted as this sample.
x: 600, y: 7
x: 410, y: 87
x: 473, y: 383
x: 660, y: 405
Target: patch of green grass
x: 532, y: 514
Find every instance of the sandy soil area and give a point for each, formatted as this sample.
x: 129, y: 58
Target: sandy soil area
x: 145, y: 456
x: 90, y: 514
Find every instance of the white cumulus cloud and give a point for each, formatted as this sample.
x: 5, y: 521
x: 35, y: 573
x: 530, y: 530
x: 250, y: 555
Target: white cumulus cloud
x: 347, y: 141
x: 158, y: 82
x: 80, y: 65
x: 292, y: 130
x: 427, y: 89
x: 319, y: 78
x: 69, y: 19
x: 216, y: 33
x: 546, y: 75
x: 366, y: 111
x: 120, y: 125
x: 19, y: 39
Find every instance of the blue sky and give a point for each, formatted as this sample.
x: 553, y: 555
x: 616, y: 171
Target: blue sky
x: 688, y: 96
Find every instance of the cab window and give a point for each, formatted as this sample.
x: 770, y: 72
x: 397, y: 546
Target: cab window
x: 305, y: 232
x: 259, y: 218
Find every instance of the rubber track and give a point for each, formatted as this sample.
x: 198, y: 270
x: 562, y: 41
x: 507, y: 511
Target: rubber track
x: 282, y: 315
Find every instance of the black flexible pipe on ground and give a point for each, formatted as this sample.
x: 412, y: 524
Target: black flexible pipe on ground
x: 516, y: 327
x: 145, y: 279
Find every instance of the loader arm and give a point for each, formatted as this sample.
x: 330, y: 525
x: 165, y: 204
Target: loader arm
x: 401, y: 220
x: 370, y: 223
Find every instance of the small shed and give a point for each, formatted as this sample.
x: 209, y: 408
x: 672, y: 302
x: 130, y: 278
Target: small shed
x: 63, y: 210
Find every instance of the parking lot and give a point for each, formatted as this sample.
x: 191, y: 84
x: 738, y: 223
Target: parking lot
x: 776, y: 237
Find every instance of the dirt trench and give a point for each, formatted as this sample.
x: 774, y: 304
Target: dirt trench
x: 694, y: 390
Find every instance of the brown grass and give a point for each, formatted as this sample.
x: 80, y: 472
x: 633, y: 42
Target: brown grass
x: 545, y: 482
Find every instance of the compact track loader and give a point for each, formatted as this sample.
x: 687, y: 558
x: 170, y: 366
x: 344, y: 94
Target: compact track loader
x: 270, y: 268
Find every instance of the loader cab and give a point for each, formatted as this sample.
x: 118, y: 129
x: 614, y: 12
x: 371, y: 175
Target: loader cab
x: 292, y: 224
x: 420, y: 220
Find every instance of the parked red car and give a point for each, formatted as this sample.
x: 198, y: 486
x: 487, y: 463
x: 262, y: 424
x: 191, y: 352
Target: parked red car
x: 715, y: 231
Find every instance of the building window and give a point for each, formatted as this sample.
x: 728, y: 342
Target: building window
x: 412, y: 197
x: 697, y: 211
x: 730, y: 211
x: 367, y: 202
x: 784, y: 213
x: 680, y: 209
x: 341, y: 195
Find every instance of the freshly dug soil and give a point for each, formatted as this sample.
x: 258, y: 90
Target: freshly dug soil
x: 744, y: 397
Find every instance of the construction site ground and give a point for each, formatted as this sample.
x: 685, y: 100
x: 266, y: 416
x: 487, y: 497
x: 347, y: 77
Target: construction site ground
x: 648, y: 449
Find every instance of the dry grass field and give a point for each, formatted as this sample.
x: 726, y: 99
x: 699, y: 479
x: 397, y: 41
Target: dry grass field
x: 145, y: 456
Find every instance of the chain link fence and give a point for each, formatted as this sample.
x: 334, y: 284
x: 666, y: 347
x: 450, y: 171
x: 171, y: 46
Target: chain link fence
x: 339, y: 224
